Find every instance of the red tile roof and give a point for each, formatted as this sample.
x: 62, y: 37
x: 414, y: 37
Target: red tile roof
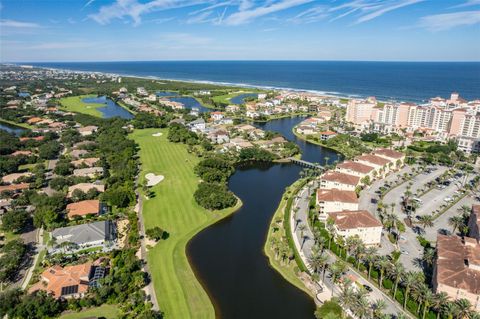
x: 336, y: 195
x: 341, y: 178
x: 83, y: 208
x: 356, y: 167
x: 354, y: 219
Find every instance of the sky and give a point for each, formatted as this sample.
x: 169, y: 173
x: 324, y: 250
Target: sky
x: 126, y: 30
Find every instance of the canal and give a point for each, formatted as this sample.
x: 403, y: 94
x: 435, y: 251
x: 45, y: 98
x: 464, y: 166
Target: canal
x: 228, y: 256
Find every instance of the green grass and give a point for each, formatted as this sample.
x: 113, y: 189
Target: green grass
x: 226, y: 97
x: 21, y: 125
x: 107, y: 311
x: 75, y: 104
x: 286, y: 270
x: 179, y: 293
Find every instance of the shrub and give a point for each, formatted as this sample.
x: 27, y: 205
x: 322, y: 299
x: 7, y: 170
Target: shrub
x: 214, y: 196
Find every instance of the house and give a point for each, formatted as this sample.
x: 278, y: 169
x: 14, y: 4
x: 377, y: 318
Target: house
x: 474, y: 222
x: 335, y: 200
x: 21, y: 153
x: 87, y: 130
x: 219, y: 136
x: 84, y: 208
x: 14, y: 187
x: 305, y: 130
x: 355, y: 168
x: 69, y: 281
x: 457, y: 268
x: 12, y: 178
x: 198, y: 125
x: 217, y: 116
x: 101, y: 235
x: 391, y: 155
x: 358, y: 223
x: 85, y: 187
x: 252, y: 114
x: 232, y: 108
x: 78, y: 153
x: 34, y: 120
x: 246, y: 128
x: 342, y: 181
x: 89, y: 162
x: 90, y: 172
x: 379, y: 163
x: 326, y: 135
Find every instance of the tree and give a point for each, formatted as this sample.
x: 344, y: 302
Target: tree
x: 371, y: 256
x: 214, y: 196
x: 396, y: 272
x: 382, y: 264
x: 410, y: 279
x: 439, y: 302
x: 156, y: 233
x: 337, y: 270
x: 464, y: 308
x: 15, y: 220
x: 428, y: 299
x: 378, y: 307
x: 426, y: 221
x: 456, y: 222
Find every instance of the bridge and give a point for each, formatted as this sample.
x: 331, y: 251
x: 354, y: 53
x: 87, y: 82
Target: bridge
x: 304, y: 163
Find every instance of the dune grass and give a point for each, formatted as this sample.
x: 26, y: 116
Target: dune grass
x: 179, y: 293
x: 75, y: 104
x: 107, y: 311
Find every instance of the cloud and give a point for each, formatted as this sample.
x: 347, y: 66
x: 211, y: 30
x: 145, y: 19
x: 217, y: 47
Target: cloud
x: 18, y: 24
x: 247, y: 15
x: 311, y: 15
x: 447, y: 21
x: 121, y: 9
x: 468, y: 3
x: 89, y: 2
x: 370, y: 9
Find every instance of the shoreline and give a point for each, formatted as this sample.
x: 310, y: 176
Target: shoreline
x: 302, y: 137
x: 19, y: 125
x: 328, y: 94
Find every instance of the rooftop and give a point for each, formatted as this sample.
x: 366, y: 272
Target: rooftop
x: 341, y: 178
x: 354, y: 219
x: 336, y: 195
x: 373, y: 159
x: 356, y: 167
x: 83, y: 208
x: 388, y: 153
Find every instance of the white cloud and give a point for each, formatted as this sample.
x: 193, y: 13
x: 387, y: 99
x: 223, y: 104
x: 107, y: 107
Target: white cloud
x: 468, y: 3
x: 247, y: 15
x: 447, y: 21
x: 134, y: 9
x: 18, y: 24
x: 311, y: 15
x: 89, y: 2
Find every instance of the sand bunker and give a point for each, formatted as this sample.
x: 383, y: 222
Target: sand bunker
x: 157, y: 134
x: 153, y: 179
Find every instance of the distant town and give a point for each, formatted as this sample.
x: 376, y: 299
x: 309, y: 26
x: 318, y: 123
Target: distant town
x: 105, y: 179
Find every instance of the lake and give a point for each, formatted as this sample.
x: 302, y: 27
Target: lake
x: 17, y: 130
x: 228, y: 256
x: 240, y: 99
x: 190, y: 102
x: 111, y: 109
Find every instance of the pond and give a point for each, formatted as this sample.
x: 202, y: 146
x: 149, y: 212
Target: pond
x: 228, y: 256
x: 190, y: 103
x: 10, y: 128
x: 240, y: 99
x: 166, y: 93
x: 111, y: 109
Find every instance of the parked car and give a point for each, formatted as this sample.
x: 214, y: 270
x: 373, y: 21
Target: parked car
x: 368, y: 288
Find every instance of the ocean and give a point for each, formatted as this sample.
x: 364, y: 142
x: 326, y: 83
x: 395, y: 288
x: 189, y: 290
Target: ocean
x: 404, y: 81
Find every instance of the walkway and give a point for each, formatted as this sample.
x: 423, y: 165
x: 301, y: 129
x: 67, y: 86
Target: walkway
x: 304, y: 247
x: 304, y: 163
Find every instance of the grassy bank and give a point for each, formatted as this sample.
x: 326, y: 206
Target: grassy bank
x: 75, y: 104
x: 277, y: 230
x: 107, y: 311
x: 173, y: 208
x: 19, y: 125
x: 303, y: 137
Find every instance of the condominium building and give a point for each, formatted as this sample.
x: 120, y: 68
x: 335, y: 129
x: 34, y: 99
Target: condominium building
x: 358, y: 223
x: 360, y: 111
x: 335, y: 200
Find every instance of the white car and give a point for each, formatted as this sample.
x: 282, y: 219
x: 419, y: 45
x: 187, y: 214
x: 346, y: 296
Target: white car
x: 448, y: 199
x: 404, y: 252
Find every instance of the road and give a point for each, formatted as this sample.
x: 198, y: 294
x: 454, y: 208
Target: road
x: 306, y: 243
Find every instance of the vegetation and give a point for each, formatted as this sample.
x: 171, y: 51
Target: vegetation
x: 75, y: 104
x: 173, y: 207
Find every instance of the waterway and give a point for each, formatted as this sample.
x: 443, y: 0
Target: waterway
x: 228, y: 256
x: 17, y: 130
x: 190, y: 102
x: 111, y: 109
x: 240, y: 99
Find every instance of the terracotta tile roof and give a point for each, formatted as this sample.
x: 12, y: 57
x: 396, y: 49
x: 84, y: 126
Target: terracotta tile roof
x: 354, y: 219
x: 14, y: 187
x: 55, y: 278
x: 388, y: 153
x: 17, y: 153
x: 336, y: 195
x: 34, y: 120
x: 377, y: 160
x: 10, y: 178
x: 455, y: 262
x: 341, y: 178
x: 85, y: 187
x: 356, y: 167
x: 83, y: 208
x: 90, y: 161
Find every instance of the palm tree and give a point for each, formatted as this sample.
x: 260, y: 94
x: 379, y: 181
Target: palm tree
x: 378, y: 307
x: 371, y: 255
x: 426, y: 221
x: 464, y: 308
x: 337, y: 269
x: 302, y: 228
x: 429, y: 256
x: 382, y: 264
x: 439, y: 302
x: 428, y: 300
x: 456, y: 222
x: 347, y: 297
x: 409, y: 280
x: 396, y: 272
x: 450, y: 310
x: 330, y: 230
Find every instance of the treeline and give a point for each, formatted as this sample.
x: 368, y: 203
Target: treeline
x: 213, y: 192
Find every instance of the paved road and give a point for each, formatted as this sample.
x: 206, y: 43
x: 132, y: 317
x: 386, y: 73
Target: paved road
x: 39, y: 246
x: 307, y: 242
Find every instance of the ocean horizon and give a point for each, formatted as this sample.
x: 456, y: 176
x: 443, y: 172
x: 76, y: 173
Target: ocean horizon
x: 402, y: 81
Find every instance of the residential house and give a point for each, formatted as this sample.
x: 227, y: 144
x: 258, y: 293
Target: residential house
x: 89, y: 162
x: 15, y: 188
x: 218, y: 136
x: 85, y: 187
x: 87, y: 130
x: 358, y: 223
x: 101, y: 235
x: 217, y: 116
x: 342, y: 181
x: 84, y: 208
x: 305, y: 130
x: 78, y: 153
x: 326, y: 135
x: 90, y: 172
x: 198, y: 125
x: 12, y: 178
x: 457, y: 268
x: 335, y: 200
